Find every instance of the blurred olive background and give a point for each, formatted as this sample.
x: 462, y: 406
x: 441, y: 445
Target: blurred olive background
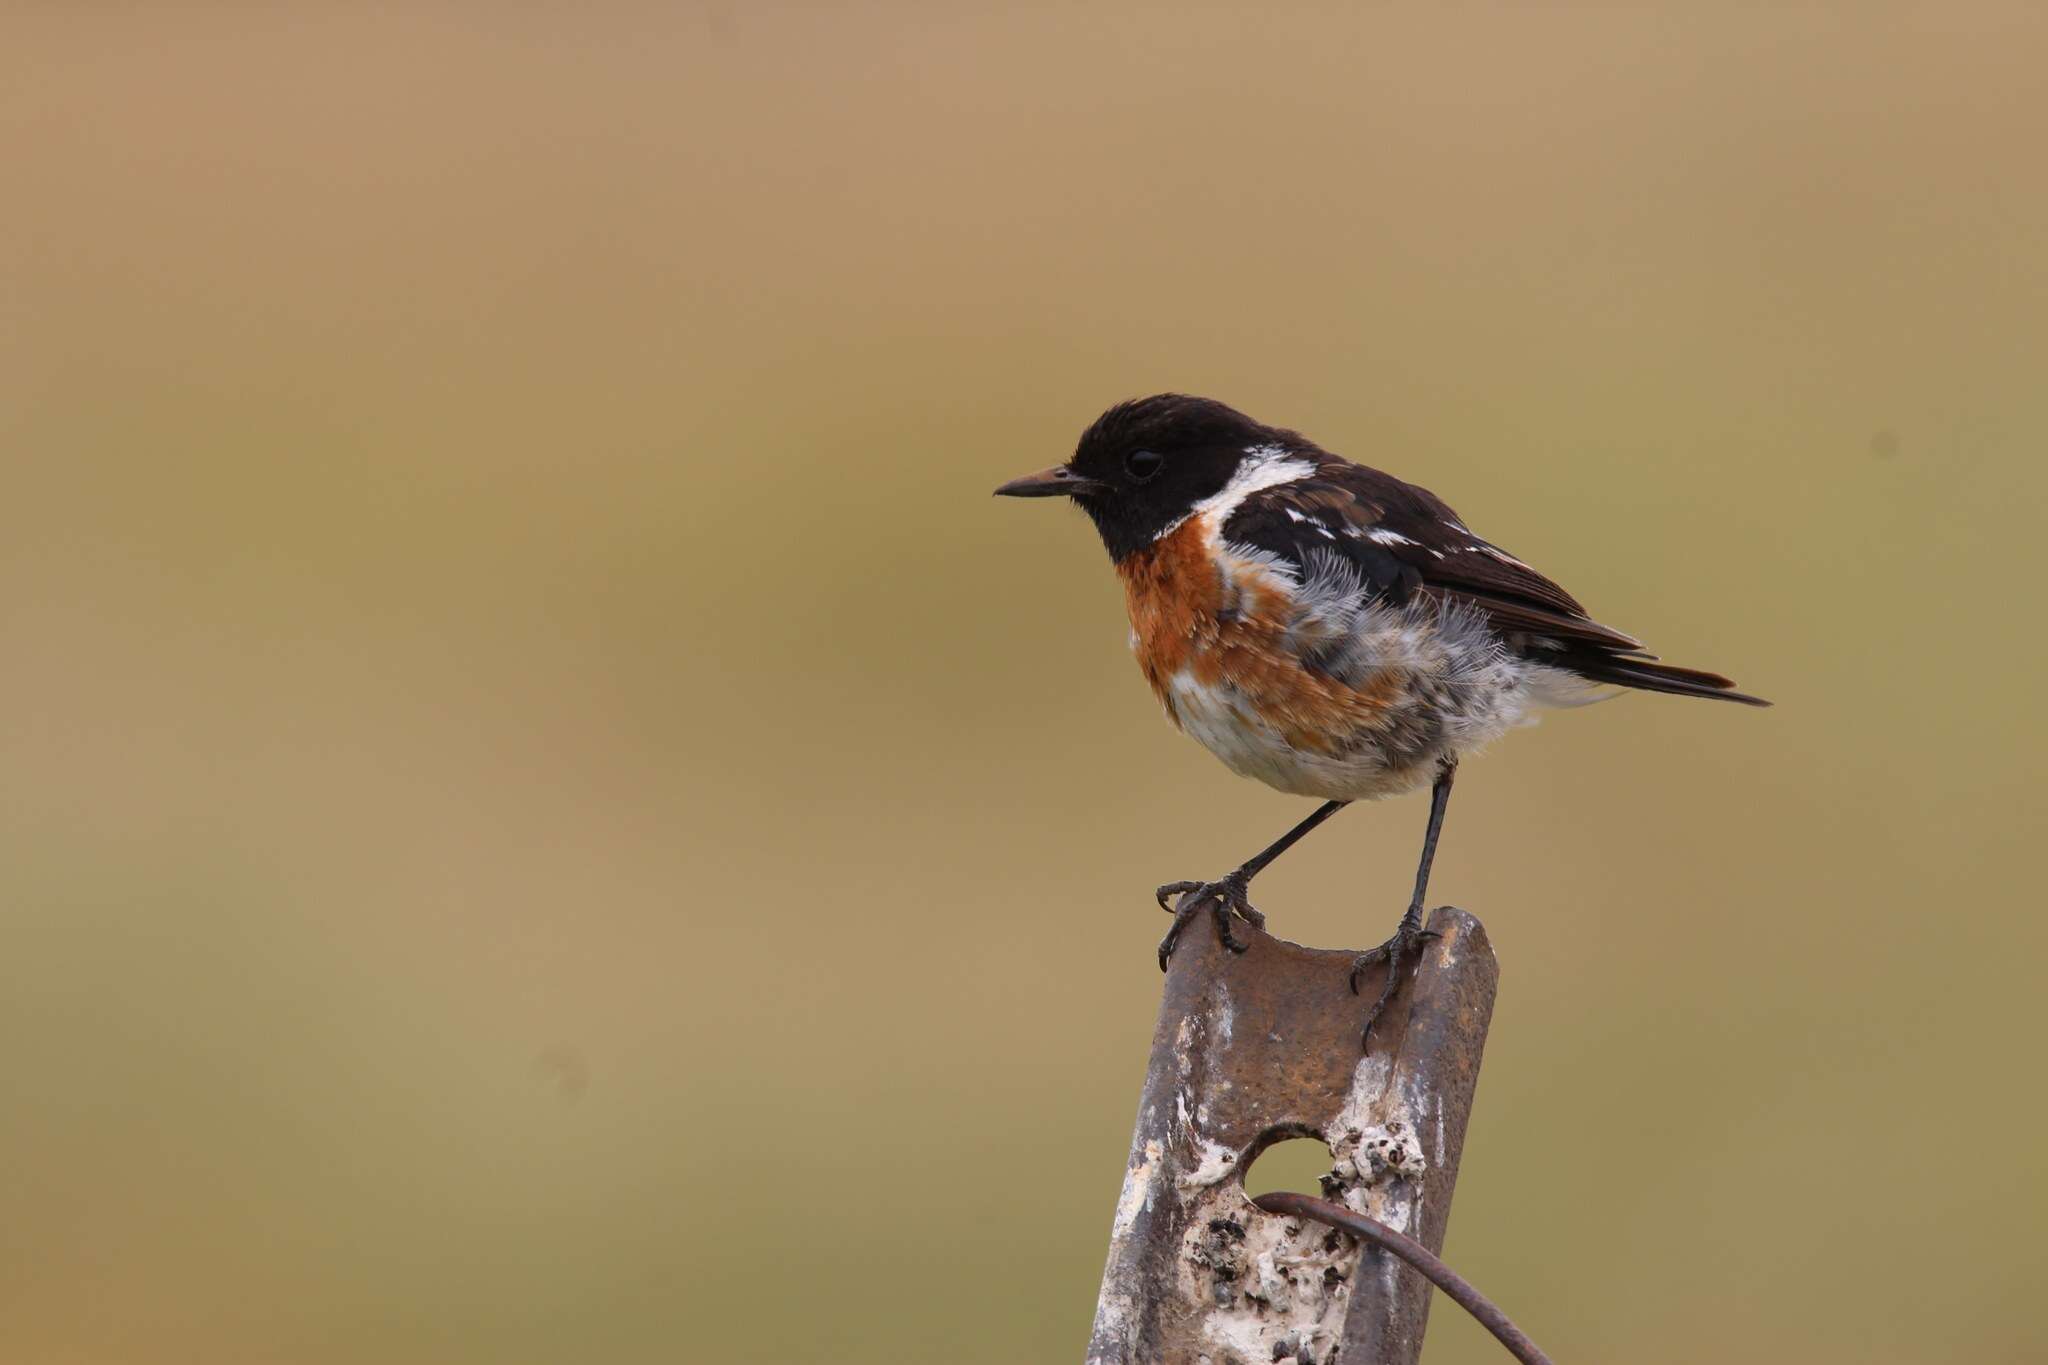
x: 548, y: 816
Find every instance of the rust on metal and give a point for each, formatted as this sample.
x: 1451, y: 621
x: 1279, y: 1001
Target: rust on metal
x: 1250, y: 1050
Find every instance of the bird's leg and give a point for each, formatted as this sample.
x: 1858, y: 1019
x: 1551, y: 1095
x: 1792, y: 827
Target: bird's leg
x: 1399, y: 951
x: 1230, y: 896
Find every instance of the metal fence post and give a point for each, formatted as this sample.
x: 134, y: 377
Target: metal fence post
x: 1253, y: 1049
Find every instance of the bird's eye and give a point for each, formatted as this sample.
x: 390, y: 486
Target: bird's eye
x: 1142, y: 464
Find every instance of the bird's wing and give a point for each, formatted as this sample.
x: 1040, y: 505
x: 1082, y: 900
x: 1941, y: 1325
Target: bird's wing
x: 1400, y: 542
x: 1349, y: 532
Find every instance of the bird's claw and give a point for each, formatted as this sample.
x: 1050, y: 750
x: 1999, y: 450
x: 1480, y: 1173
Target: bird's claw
x: 1222, y: 900
x: 1397, y: 952
x: 1373, y: 957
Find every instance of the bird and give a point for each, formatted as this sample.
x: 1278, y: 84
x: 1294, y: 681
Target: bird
x: 1327, y: 629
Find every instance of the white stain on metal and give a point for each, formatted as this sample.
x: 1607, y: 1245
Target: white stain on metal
x: 1377, y: 1141
x: 1115, y: 1320
x: 1276, y: 1288
x: 1273, y: 1288
x: 1137, y: 1192
x: 1208, y: 1162
x: 1213, y: 1163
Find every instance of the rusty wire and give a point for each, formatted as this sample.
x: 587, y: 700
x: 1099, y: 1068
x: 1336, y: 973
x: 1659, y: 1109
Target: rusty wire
x: 1416, y: 1254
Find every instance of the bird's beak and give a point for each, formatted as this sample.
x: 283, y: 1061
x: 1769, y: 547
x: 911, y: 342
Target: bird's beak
x: 1057, y: 482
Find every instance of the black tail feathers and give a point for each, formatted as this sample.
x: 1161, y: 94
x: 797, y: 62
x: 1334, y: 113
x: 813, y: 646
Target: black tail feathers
x: 1649, y: 676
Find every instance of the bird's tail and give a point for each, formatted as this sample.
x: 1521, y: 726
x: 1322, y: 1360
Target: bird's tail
x: 1649, y: 676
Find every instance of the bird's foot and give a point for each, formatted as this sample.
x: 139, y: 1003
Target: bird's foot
x: 1399, y: 953
x: 1221, y: 899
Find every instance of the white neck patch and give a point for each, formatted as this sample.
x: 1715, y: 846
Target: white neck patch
x: 1262, y: 467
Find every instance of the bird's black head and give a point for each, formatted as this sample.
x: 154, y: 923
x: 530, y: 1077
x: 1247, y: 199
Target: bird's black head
x: 1144, y: 464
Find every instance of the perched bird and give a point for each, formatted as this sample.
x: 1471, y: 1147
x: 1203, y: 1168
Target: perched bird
x: 1326, y: 628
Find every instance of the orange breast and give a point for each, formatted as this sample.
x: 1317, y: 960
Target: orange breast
x: 1221, y: 625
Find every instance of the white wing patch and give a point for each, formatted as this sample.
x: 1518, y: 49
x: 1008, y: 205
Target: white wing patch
x: 1476, y: 547
x: 1379, y: 535
x: 1503, y: 556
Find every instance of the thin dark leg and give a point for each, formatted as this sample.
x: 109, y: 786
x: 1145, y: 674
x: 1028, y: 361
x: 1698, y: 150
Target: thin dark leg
x: 1231, y: 896
x: 1290, y: 838
x: 1439, y: 800
x: 1398, y: 951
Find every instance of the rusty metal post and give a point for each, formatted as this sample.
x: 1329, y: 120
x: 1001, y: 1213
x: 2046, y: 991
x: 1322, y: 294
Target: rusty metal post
x: 1250, y: 1050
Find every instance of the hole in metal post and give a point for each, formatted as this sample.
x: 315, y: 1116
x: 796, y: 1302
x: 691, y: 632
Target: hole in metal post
x: 1295, y: 1161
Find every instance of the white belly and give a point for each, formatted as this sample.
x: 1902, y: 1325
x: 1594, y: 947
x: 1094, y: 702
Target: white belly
x: 1224, y: 725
